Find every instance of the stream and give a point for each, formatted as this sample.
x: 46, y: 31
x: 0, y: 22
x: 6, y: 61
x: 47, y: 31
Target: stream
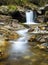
x: 20, y: 47
x: 22, y: 53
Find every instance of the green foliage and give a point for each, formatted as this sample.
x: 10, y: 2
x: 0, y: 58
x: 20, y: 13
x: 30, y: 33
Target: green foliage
x: 12, y: 8
x: 7, y: 9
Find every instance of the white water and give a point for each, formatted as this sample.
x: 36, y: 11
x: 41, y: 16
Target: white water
x: 20, y: 47
x: 29, y: 17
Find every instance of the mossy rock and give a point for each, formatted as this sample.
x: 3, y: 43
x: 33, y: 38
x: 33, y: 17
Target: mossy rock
x: 12, y: 8
x: 7, y: 9
x: 4, y: 9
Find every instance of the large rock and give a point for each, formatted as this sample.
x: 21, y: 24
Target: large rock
x: 3, y: 48
x: 5, y: 19
x: 14, y: 12
x: 42, y: 40
x: 32, y: 38
x: 3, y: 9
x: 8, y: 34
x: 7, y: 9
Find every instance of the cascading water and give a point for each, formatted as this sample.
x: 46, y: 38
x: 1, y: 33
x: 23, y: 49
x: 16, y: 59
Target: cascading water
x: 21, y: 45
x: 29, y: 17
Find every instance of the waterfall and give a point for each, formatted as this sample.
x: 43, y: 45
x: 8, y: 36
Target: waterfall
x: 29, y: 17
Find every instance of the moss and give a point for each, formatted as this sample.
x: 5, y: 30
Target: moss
x: 7, y: 9
x: 12, y: 8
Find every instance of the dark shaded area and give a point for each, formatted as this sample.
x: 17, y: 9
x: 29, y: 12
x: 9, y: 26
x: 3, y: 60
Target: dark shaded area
x: 20, y: 16
x: 45, y: 19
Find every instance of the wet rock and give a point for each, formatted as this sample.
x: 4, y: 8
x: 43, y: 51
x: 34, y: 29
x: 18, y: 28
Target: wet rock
x: 3, y: 55
x: 26, y: 26
x: 38, y: 38
x: 3, y: 48
x: 32, y: 38
x: 42, y: 40
x: 26, y: 57
x: 12, y: 36
x: 12, y: 11
x: 5, y: 19
x: 42, y: 27
x: 8, y: 34
x: 40, y: 19
x: 3, y: 43
x: 30, y: 30
x: 43, y: 46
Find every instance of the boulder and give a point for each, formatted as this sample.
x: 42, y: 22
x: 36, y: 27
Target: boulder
x: 42, y: 40
x: 43, y: 46
x: 3, y: 9
x: 6, y: 10
x: 5, y: 19
x: 32, y: 38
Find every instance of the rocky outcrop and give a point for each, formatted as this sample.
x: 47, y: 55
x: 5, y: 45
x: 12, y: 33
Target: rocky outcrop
x: 5, y: 19
x: 10, y: 23
x: 5, y: 10
x: 13, y: 11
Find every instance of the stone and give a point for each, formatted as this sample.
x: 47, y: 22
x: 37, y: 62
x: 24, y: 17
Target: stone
x: 32, y: 38
x: 4, y: 9
x: 7, y: 9
x: 43, y: 46
x: 42, y: 40
x: 5, y: 19
x: 26, y: 57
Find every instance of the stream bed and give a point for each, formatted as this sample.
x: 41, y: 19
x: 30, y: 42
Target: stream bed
x: 22, y: 53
